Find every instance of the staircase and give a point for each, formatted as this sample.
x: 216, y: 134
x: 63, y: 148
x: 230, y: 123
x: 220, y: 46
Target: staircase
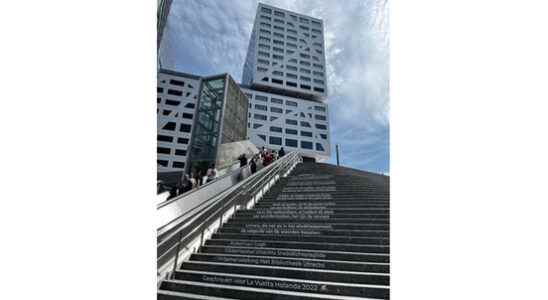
x: 320, y: 233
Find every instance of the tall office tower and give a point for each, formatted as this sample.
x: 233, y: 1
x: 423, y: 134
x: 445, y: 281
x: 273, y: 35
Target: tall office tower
x: 284, y: 77
x: 163, y: 11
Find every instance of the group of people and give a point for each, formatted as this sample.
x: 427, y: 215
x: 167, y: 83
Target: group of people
x: 196, y: 178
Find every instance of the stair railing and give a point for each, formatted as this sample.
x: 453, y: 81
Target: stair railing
x: 204, y: 223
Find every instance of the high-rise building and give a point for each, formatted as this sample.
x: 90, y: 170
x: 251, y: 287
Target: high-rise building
x: 195, y: 116
x: 284, y: 77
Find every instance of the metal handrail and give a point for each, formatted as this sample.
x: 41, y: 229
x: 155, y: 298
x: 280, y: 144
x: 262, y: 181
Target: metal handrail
x: 215, y: 212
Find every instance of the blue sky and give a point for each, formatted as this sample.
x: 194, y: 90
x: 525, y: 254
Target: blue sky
x: 208, y: 37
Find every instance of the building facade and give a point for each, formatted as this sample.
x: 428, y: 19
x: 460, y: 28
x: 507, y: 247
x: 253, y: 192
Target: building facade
x: 284, y: 77
x: 194, y: 116
x: 298, y: 125
x: 177, y: 96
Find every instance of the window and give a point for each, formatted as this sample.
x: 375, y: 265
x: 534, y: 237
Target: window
x: 277, y: 73
x: 170, y: 126
x: 277, y: 81
x: 277, y: 101
x: 291, y: 143
x: 165, y: 138
x: 166, y: 112
x: 316, y: 31
x: 293, y: 32
x: 304, y: 55
x: 280, y: 57
x: 266, y: 10
x: 266, y: 18
x: 303, y: 70
x: 260, y: 107
x: 321, y: 126
x: 160, y: 90
x: 293, y: 60
x: 306, y: 133
x: 304, y: 28
x: 273, y: 118
x: 291, y: 38
x: 291, y: 103
x: 320, y: 117
x: 188, y: 116
x: 276, y: 110
x: 305, y: 78
x: 289, y: 75
x: 163, y: 150
x: 190, y: 105
x: 305, y: 124
x: 318, y: 81
x: 279, y: 50
x: 303, y: 20
x: 184, y: 128
x: 277, y: 42
x: 266, y: 25
x: 278, y: 28
x: 276, y: 34
x: 261, y: 69
x: 180, y: 152
x: 178, y: 164
x: 292, y: 68
x: 264, y: 54
x: 288, y: 111
x: 274, y: 140
x: 264, y: 39
x: 304, y: 63
x: 305, y: 86
x: 263, y: 62
x: 319, y: 74
x: 291, y: 83
x: 279, y: 14
x: 290, y: 131
x: 275, y: 129
x: 257, y: 125
x: 323, y: 136
x: 261, y: 98
x: 319, y: 147
x: 176, y: 82
x: 317, y: 89
x: 264, y: 31
x: 318, y: 66
x: 264, y: 47
x: 162, y: 163
x: 174, y: 92
x: 249, y: 96
x: 306, y: 145
x: 316, y: 23
x: 319, y: 108
x: 182, y: 141
x: 291, y: 122
x: 290, y: 45
x: 259, y: 117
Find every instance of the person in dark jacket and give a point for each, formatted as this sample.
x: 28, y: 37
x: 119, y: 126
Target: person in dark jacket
x: 281, y: 153
x: 243, y: 160
x: 253, y: 166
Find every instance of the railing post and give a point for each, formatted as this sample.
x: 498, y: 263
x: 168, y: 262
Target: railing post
x: 177, y: 254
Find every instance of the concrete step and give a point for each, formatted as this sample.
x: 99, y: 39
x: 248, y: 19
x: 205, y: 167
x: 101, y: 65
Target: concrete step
x: 313, y: 226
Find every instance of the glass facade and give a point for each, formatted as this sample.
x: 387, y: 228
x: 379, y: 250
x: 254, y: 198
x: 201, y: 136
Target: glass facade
x: 221, y: 117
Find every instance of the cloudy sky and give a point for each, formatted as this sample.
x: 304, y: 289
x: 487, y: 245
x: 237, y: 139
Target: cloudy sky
x: 208, y: 37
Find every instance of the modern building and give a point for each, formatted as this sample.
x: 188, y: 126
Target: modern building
x: 284, y: 77
x: 276, y: 120
x: 195, y: 116
x: 177, y: 96
x: 163, y: 11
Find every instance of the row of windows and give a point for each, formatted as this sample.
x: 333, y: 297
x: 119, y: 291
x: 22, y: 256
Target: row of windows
x: 274, y: 140
x: 172, y: 92
x: 176, y: 164
x: 293, y: 122
x: 178, y: 152
x: 169, y: 139
x: 291, y: 83
x: 273, y: 100
x: 293, y: 17
x: 178, y: 83
x: 170, y: 126
x: 167, y: 112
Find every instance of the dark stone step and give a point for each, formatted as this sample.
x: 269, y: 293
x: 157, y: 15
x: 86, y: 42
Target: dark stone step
x: 320, y: 210
x: 220, y: 290
x: 306, y: 238
x: 284, y: 272
x: 314, y: 226
x: 352, y: 247
x: 364, y: 220
x: 297, y: 253
x: 341, y: 205
x: 316, y: 287
x: 173, y: 295
x: 326, y: 197
x: 299, y: 263
x: 273, y: 231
